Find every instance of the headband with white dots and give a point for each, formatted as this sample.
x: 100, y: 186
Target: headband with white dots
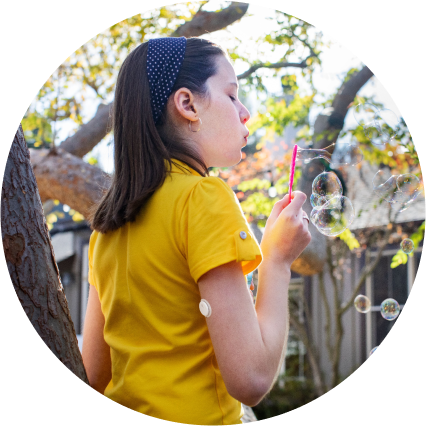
x: 164, y: 60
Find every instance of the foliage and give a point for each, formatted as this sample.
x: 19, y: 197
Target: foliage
x: 56, y: 211
x: 349, y: 238
x: 401, y: 257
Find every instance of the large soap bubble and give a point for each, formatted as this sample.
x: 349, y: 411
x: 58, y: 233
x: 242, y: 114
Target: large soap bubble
x: 390, y: 309
x: 332, y: 213
x: 380, y: 126
x: 327, y: 184
x: 401, y: 189
x: 388, y: 124
x: 344, y: 154
x: 333, y: 217
x: 364, y: 114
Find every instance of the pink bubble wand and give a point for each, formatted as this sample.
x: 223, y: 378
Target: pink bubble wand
x: 293, y: 166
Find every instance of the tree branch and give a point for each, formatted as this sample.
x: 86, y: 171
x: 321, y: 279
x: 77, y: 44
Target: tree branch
x: 208, y: 22
x: 64, y: 177
x: 254, y: 68
x: 368, y: 269
x: 310, y: 352
x: 89, y: 134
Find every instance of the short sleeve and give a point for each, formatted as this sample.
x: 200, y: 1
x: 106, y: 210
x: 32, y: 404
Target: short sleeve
x: 91, y: 277
x: 217, y: 231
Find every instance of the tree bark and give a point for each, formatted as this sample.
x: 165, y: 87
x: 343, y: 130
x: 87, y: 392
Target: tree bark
x: 67, y: 178
x: 31, y: 261
x: 208, y: 22
x: 326, y: 131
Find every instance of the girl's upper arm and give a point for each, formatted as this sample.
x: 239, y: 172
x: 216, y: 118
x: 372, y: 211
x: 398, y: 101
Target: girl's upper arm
x: 96, y: 352
x: 235, y: 332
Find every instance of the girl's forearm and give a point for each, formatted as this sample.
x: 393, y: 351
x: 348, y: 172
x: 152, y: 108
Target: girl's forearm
x: 273, y: 314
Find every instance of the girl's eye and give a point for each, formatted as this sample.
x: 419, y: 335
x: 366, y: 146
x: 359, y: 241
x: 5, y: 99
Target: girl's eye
x: 232, y: 98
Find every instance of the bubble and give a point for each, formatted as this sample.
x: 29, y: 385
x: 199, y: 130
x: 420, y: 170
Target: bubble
x: 362, y: 303
x: 364, y: 114
x: 373, y: 350
x: 327, y: 184
x: 332, y: 213
x: 318, y: 200
x: 401, y: 189
x: 407, y: 246
x: 390, y: 309
x: 344, y: 154
x: 307, y: 155
x: 380, y: 126
x: 373, y: 133
x: 333, y: 217
x: 388, y: 123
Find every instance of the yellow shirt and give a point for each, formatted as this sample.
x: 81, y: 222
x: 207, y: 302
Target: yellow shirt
x: 146, y: 274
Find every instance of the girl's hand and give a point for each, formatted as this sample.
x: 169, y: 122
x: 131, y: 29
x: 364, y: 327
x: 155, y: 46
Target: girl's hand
x: 286, y: 233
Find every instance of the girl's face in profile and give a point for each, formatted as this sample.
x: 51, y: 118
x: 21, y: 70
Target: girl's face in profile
x: 223, y: 128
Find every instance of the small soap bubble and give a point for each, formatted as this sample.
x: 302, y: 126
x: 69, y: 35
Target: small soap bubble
x: 333, y: 217
x: 408, y: 183
x: 362, y: 303
x: 407, y: 246
x: 373, y: 350
x: 390, y: 309
x: 327, y: 184
x: 401, y: 189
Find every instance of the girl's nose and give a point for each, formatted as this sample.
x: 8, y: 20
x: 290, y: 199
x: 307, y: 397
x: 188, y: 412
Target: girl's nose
x: 246, y: 116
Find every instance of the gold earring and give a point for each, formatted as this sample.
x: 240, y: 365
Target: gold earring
x: 190, y: 126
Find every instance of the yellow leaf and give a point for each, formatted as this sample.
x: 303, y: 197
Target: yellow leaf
x: 77, y: 217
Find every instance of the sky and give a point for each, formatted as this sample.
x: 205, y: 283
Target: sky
x: 336, y: 61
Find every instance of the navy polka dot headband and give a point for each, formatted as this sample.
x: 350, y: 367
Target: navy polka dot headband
x: 164, y: 60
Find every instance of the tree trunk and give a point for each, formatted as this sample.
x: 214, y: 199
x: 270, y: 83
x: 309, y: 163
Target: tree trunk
x: 326, y: 131
x: 30, y: 259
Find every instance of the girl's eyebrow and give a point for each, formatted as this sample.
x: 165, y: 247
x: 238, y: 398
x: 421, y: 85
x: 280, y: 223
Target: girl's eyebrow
x: 235, y: 84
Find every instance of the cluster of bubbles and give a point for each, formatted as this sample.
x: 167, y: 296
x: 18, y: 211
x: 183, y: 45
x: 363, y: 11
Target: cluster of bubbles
x: 331, y: 212
x: 389, y: 308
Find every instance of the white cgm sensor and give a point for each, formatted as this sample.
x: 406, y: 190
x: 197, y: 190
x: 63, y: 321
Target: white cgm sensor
x: 205, y: 308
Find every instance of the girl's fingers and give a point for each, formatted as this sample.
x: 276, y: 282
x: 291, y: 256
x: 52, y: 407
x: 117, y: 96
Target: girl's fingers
x: 278, y: 207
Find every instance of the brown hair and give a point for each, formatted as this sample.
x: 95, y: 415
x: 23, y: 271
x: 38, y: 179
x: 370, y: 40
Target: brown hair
x: 141, y: 148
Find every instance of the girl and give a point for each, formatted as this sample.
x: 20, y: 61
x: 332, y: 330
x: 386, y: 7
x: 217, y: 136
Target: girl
x: 167, y: 235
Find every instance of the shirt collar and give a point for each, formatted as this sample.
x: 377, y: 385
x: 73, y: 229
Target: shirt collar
x: 182, y: 168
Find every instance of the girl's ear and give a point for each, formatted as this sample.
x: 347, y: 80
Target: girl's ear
x: 185, y: 104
